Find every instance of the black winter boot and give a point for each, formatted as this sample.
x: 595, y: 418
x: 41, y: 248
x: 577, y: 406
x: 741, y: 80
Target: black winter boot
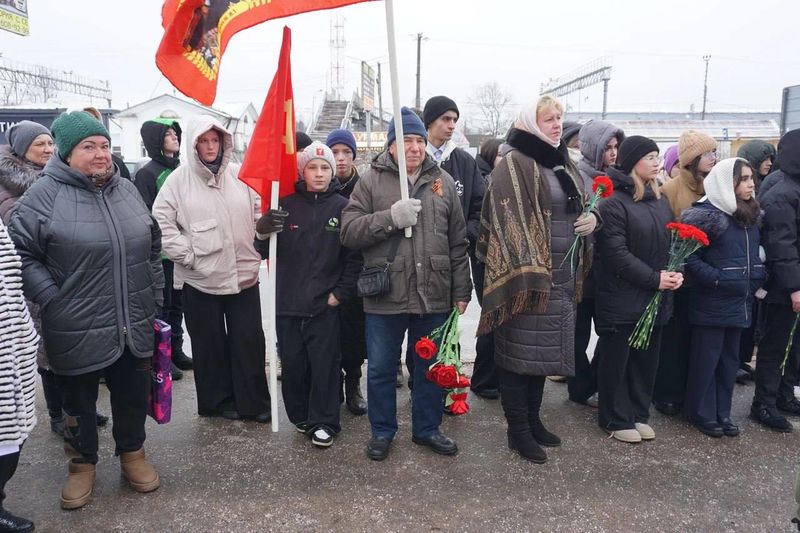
x: 520, y: 439
x: 356, y: 403
x: 179, y: 358
x: 539, y: 432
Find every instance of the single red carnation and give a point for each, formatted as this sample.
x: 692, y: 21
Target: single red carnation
x: 459, y: 405
x: 603, y: 186
x: 426, y: 348
x: 674, y: 226
x: 689, y: 232
x: 701, y: 237
x: 463, y: 382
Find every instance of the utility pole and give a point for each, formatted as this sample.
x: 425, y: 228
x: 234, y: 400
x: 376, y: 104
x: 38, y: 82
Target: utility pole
x: 419, y: 56
x: 705, y: 88
x: 380, y: 98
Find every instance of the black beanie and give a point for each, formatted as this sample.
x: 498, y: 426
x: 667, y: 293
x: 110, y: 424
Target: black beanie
x: 632, y: 149
x: 569, y: 130
x: 302, y: 140
x: 436, y: 107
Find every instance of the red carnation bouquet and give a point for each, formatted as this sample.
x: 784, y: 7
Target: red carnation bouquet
x: 602, y: 187
x: 686, y: 240
x: 446, y: 368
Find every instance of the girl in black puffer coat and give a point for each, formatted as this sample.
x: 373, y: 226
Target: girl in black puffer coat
x: 631, y: 252
x: 726, y: 275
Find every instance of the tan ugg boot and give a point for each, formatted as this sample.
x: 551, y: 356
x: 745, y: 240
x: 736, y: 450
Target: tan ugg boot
x: 140, y: 474
x: 78, y: 488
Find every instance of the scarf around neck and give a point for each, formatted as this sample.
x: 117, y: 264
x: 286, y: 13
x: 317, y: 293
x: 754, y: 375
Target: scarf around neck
x: 552, y: 157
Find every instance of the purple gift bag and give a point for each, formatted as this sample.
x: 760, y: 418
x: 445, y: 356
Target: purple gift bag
x: 159, y: 401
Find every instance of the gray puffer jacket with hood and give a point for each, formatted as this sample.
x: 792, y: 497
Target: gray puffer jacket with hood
x: 91, y: 260
x: 594, y: 137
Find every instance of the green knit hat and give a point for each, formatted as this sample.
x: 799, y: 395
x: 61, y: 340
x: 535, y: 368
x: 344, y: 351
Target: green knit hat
x: 71, y: 128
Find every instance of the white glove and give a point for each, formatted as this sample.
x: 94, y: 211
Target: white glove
x: 405, y: 212
x: 585, y: 225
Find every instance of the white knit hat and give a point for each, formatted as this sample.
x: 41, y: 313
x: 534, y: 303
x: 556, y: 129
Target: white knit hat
x: 719, y: 185
x: 315, y: 150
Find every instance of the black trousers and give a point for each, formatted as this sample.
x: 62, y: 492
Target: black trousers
x: 228, y: 351
x: 584, y: 383
x: 310, y: 366
x: 772, y: 384
x: 8, y: 466
x: 625, y: 378
x: 484, y: 374
x: 712, y: 373
x: 172, y: 311
x: 52, y: 394
x: 673, y: 365
x: 353, y: 337
x: 128, y: 381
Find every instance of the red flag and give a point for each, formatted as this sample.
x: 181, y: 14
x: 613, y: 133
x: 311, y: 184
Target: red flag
x: 196, y: 34
x: 271, y: 155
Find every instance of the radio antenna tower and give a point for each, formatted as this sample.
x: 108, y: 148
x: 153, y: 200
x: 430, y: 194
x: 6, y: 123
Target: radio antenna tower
x: 337, y: 57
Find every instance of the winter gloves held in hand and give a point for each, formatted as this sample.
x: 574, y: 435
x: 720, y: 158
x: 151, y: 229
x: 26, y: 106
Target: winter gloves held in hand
x: 405, y: 212
x: 585, y: 225
x: 271, y: 223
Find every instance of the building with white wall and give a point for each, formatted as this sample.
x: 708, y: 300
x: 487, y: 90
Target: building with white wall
x: 239, y: 119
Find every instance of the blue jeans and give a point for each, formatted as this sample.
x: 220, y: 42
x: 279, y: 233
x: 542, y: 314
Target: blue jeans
x: 384, y: 342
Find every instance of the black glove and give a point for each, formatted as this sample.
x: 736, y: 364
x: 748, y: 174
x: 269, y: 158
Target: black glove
x: 271, y: 222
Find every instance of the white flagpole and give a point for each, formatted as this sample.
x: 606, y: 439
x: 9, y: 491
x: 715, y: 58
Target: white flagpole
x: 398, y: 117
x: 272, y: 335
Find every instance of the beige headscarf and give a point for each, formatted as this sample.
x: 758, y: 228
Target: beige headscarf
x: 526, y: 121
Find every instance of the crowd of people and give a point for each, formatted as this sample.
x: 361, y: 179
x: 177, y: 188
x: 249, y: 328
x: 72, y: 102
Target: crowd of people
x: 90, y: 258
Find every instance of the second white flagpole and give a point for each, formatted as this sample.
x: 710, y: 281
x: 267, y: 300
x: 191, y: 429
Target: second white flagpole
x: 272, y: 335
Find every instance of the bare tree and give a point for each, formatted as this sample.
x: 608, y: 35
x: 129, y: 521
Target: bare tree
x: 493, y: 102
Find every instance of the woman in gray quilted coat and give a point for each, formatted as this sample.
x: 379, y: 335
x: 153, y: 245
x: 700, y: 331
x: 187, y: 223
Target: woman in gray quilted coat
x: 91, y: 261
x: 531, y: 214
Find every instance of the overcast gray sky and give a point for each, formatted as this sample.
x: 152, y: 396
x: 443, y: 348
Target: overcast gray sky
x: 656, y: 49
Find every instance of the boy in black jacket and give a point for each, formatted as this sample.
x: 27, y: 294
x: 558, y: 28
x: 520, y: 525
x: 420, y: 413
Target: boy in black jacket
x: 162, y: 140
x: 315, y: 274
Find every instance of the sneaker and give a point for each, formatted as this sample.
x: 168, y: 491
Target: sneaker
x: 557, y: 379
x: 645, y: 431
x: 321, y: 438
x: 792, y: 406
x: 626, y: 435
x: 593, y: 401
x: 302, y: 427
x: 769, y: 417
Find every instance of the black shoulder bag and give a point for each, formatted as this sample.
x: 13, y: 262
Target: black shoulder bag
x: 374, y: 281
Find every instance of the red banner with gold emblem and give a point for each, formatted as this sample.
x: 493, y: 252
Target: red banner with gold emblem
x: 196, y: 33
x: 271, y: 154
